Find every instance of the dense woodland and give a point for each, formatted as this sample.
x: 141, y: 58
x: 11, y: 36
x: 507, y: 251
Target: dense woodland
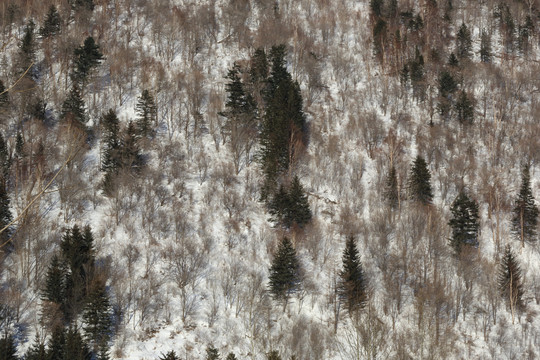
x: 256, y: 179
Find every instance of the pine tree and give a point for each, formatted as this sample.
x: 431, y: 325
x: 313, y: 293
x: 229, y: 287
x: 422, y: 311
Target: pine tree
x: 485, y: 47
x: 111, y: 161
x: 453, y: 60
x: 75, y: 347
x: 391, y: 192
x: 5, y: 214
x: 525, y: 218
x: 463, y: 42
x: 419, y: 182
x: 37, y: 351
x: 447, y: 87
x: 27, y: 49
x: 86, y: 58
x: 464, y: 108
x: 79, y: 5
x: 285, y: 272
x: 279, y: 205
x: 298, y: 211
x: 55, y: 282
x: 8, y: 350
x: 74, y: 109
x: 146, y: 111
x: 131, y: 153
x: 464, y: 223
x: 4, y: 97
x: 51, y: 25
x: 352, y: 285
x: 273, y: 355
x: 212, y: 353
x: 510, y: 281
x: 171, y: 355
x: 57, y: 344
x: 231, y: 356
x: 97, y: 317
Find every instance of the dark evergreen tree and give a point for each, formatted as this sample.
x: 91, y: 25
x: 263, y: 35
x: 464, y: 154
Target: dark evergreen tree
x: 212, y: 353
x: 146, y: 111
x: 97, y: 317
x: 417, y: 75
x: 298, y: 211
x: 464, y: 223
x: 111, y: 160
x: 485, y: 47
x: 55, y: 282
x: 74, y: 109
x: 284, y: 131
x: 391, y: 192
x: 379, y: 38
x: 27, y: 49
x: 79, y: 5
x: 510, y: 280
x: 259, y: 78
x: 57, y: 344
x: 51, y: 25
x: 273, y: 355
x: 4, y: 97
x: 525, y: 217
x: 447, y: 87
x: 352, y: 285
x: 171, y: 355
x: 464, y: 108
x: 231, y: 356
x: 5, y: 215
x: 453, y: 60
x: 279, y: 205
x: 86, y: 58
x: 131, y: 153
x: 376, y: 7
x: 463, y: 42
x: 419, y: 185
x: 37, y: 351
x: 8, y: 350
x: 19, y: 146
x: 75, y: 347
x: 285, y: 272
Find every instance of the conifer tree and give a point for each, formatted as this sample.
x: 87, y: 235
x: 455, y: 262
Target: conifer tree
x: 111, y: 161
x: 97, y: 317
x: 259, y: 78
x: 525, y: 217
x: 78, y: 5
x: 485, y: 47
x: 510, y: 281
x: 8, y: 350
x: 419, y: 185
x: 131, y: 153
x: 463, y: 42
x: 37, y: 351
x: 231, y: 356
x: 464, y: 223
x: 464, y: 108
x: 27, y: 49
x: 5, y: 214
x: 279, y: 205
x: 298, y: 211
x: 171, y: 355
x: 453, y: 60
x: 51, y: 25
x: 285, y: 272
x: 352, y: 285
x: 4, y: 97
x: 391, y: 193
x: 273, y: 355
x: 146, y: 111
x: 447, y: 87
x: 212, y: 353
x: 55, y: 282
x: 86, y: 58
x: 57, y: 344
x: 74, y: 109
x: 75, y: 347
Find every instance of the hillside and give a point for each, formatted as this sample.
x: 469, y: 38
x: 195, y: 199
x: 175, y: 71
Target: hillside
x: 155, y: 154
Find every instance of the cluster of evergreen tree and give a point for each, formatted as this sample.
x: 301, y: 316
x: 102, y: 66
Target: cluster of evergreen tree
x: 464, y: 223
x: 291, y: 207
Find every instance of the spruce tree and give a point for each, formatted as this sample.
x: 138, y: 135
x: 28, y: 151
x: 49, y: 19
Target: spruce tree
x: 27, y: 49
x: 57, y: 344
x: 8, y: 350
x: 273, y: 355
x: 279, y: 205
x: 485, y: 47
x: 5, y: 214
x: 463, y: 42
x: 79, y: 5
x: 171, y: 355
x: 86, y: 58
x: 75, y: 347
x: 525, y: 217
x: 55, y: 282
x: 419, y: 185
x: 391, y: 192
x: 74, y: 109
x: 111, y: 160
x: 212, y: 353
x: 37, y: 351
x: 131, y: 153
x: 285, y: 272
x: 298, y: 211
x: 510, y: 280
x: 464, y: 108
x: 464, y: 223
x: 51, y: 25
x: 4, y: 97
x: 231, y: 356
x: 352, y: 285
x: 146, y: 111
x: 97, y: 317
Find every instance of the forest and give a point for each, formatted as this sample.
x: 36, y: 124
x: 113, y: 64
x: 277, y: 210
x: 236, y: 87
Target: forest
x: 269, y: 179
